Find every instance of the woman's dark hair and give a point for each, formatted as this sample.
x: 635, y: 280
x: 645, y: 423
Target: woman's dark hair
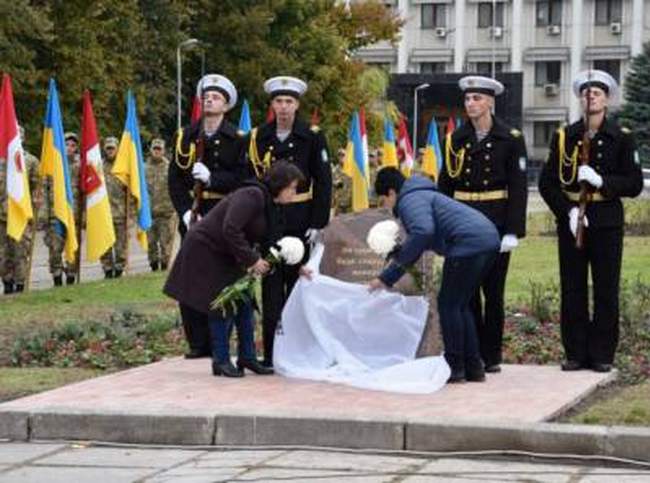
x: 387, y: 179
x: 280, y: 176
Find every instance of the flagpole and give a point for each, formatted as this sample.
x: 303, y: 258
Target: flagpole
x: 79, y: 221
x: 126, y: 228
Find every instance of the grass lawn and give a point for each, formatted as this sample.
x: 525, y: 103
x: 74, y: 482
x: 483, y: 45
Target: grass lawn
x: 618, y: 405
x: 19, y: 382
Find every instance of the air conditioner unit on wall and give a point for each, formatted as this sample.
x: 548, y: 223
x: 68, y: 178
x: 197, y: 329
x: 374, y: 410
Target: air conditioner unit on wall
x: 551, y: 90
x: 615, y: 28
x: 441, y: 32
x: 496, y: 32
x: 553, y: 30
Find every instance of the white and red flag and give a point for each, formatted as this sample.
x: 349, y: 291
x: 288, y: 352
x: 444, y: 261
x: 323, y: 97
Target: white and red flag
x: 404, y: 148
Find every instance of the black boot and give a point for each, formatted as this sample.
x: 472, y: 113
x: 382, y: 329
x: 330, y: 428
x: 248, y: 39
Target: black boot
x: 570, y: 365
x: 20, y: 287
x: 69, y: 279
x: 58, y: 280
x: 108, y: 273
x: 117, y: 273
x: 226, y: 369
x: 474, y: 370
x: 196, y: 354
x: 154, y: 266
x: 9, y: 287
x: 457, y: 367
x: 254, y: 366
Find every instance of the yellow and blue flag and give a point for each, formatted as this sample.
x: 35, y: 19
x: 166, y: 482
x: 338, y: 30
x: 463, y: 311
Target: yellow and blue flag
x: 432, y: 157
x: 54, y: 163
x: 129, y: 169
x: 355, y: 164
x: 245, y: 124
x: 389, y: 158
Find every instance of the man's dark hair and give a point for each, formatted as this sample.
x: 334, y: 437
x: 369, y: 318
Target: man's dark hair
x: 280, y: 176
x: 387, y: 179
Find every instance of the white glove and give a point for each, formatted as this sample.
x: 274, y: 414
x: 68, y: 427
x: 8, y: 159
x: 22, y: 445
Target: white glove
x: 588, y: 174
x: 573, y: 220
x: 312, y: 235
x: 200, y: 172
x: 187, y: 216
x: 508, y: 243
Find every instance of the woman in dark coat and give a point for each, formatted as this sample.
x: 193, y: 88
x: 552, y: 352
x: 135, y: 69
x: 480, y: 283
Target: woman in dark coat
x: 220, y: 249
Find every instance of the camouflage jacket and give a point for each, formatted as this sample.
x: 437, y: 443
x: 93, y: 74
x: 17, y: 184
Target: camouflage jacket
x: 116, y: 192
x: 161, y: 203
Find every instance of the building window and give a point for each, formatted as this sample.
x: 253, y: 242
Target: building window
x: 432, y: 67
x: 485, y: 68
x: 608, y: 11
x: 548, y: 12
x: 611, y: 66
x: 547, y: 73
x: 485, y: 15
x: 433, y: 15
x: 543, y: 132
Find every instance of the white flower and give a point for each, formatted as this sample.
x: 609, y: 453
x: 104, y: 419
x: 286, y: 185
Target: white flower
x: 291, y: 250
x: 383, y: 237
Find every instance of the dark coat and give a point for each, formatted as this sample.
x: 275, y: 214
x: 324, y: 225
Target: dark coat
x: 435, y: 222
x: 217, y: 251
x: 613, y: 155
x: 223, y: 156
x: 306, y: 148
x: 498, y: 162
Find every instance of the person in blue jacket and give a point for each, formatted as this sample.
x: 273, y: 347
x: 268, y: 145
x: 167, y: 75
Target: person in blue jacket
x: 468, y: 241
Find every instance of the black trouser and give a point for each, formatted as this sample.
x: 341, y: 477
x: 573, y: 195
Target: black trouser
x: 276, y: 288
x: 590, y: 341
x: 489, y: 312
x: 197, y: 331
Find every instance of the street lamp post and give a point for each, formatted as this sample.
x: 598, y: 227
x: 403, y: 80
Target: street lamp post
x: 185, y: 44
x: 415, y: 116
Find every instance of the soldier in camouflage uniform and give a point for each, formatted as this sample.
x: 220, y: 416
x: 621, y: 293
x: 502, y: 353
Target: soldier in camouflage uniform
x: 54, y: 238
x: 161, y: 234
x: 342, y: 184
x: 115, y: 259
x: 374, y: 163
x: 15, y: 256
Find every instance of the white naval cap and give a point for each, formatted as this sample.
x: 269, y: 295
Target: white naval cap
x: 481, y: 84
x: 219, y: 83
x: 285, y: 86
x: 595, y: 78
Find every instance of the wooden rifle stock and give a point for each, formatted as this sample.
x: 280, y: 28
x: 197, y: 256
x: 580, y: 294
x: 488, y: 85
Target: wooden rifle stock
x: 584, y: 186
x: 197, y: 190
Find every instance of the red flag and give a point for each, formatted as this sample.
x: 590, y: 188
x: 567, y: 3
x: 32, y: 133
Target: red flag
x: 404, y: 148
x: 315, y: 118
x: 270, y: 115
x: 196, y: 110
x: 451, y: 125
x: 90, y: 179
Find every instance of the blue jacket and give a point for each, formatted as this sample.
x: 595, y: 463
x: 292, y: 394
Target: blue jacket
x: 436, y: 222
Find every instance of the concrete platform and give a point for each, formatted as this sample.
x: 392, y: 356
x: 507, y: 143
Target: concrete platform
x: 178, y: 401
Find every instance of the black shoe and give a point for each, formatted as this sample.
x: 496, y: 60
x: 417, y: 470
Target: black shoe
x: 20, y: 287
x: 69, y: 279
x: 117, y: 273
x: 58, y: 280
x: 197, y: 354
x: 226, y: 369
x: 457, y: 375
x: 108, y: 274
x: 154, y: 266
x: 601, y: 367
x: 267, y: 363
x: 570, y: 365
x: 493, y: 368
x: 474, y: 370
x: 254, y: 366
x: 163, y: 266
x: 9, y: 287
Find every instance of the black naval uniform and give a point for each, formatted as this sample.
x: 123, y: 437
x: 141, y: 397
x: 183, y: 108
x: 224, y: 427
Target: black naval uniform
x: 492, y: 180
x: 306, y: 147
x: 613, y: 155
x: 223, y: 156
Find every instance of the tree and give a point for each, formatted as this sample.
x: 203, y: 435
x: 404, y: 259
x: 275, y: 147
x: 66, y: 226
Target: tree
x: 635, y: 112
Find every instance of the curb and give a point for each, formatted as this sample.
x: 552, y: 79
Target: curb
x: 221, y: 430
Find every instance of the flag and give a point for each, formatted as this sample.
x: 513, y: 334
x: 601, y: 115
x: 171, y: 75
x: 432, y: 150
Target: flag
x: 245, y: 124
x: 19, y: 201
x: 196, y: 110
x: 355, y: 164
x: 54, y: 163
x: 100, y: 234
x: 364, y: 138
x: 451, y: 126
x: 270, y: 115
x: 389, y: 157
x: 129, y: 169
x: 404, y: 148
x: 432, y: 158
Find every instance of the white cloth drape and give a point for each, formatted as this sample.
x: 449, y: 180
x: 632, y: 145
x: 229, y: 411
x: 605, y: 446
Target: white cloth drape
x: 338, y: 332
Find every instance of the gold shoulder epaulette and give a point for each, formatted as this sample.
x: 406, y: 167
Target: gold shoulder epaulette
x: 315, y: 128
x: 515, y: 133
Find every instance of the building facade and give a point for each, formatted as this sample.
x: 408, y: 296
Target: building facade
x: 548, y: 41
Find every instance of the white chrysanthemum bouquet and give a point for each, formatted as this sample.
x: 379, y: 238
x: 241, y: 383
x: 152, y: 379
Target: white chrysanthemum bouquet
x: 289, y: 250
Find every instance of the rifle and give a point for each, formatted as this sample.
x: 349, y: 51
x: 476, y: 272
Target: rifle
x: 197, y: 190
x: 584, y: 186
